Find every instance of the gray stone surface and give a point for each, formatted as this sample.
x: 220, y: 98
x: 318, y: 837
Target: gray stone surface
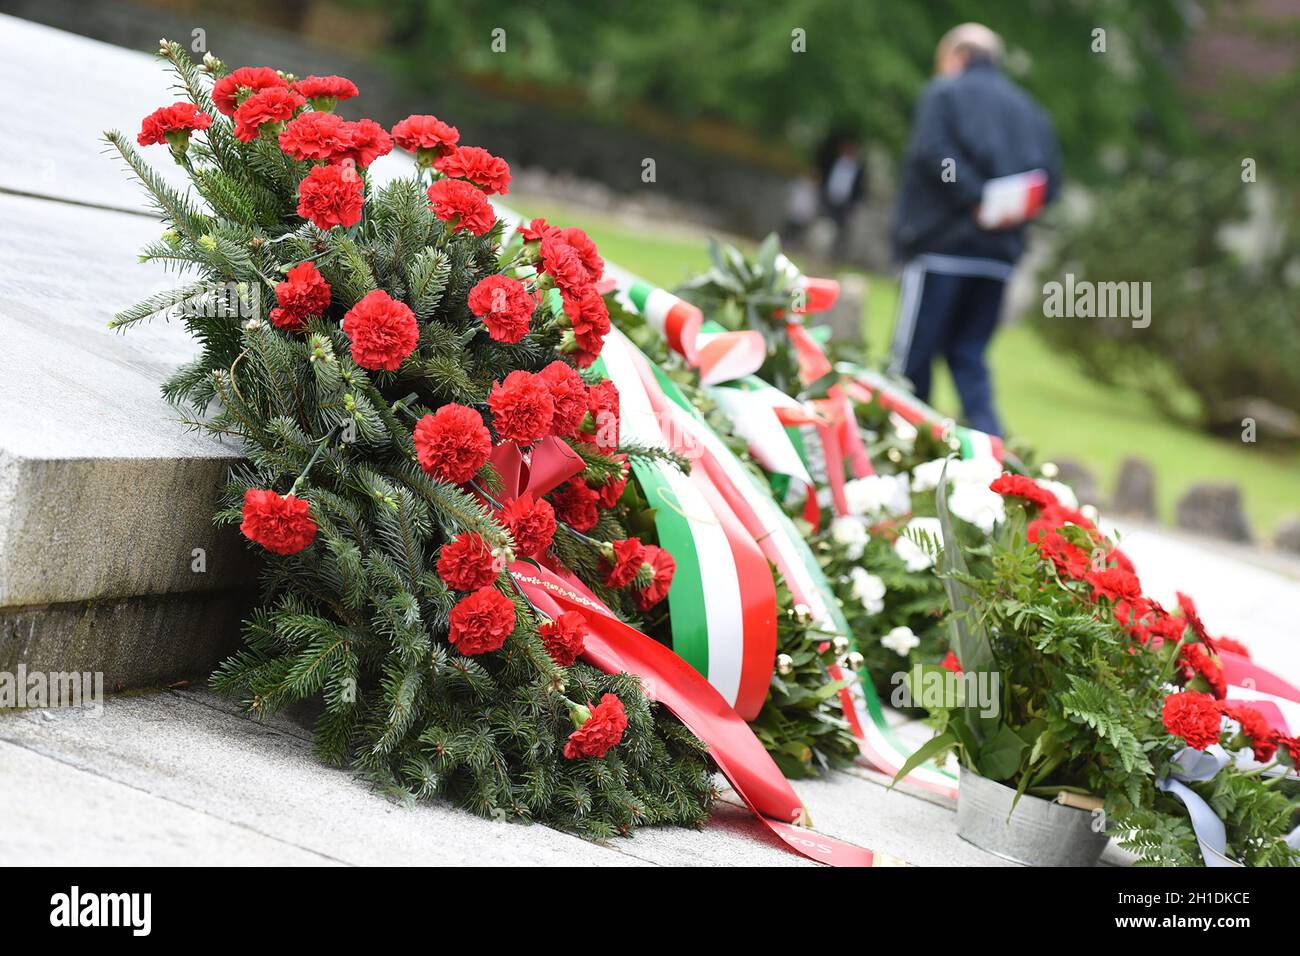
x: 178, y: 777
x: 104, y: 495
x: 1135, y: 490
x: 145, y: 641
x: 862, y: 811
x: 1213, y: 509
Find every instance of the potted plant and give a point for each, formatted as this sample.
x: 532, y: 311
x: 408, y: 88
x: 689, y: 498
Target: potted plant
x: 1055, y: 703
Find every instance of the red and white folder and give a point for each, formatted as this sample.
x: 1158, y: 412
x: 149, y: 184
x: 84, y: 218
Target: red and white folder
x: 1012, y: 200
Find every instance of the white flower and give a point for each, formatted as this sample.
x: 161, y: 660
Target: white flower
x: 878, y: 493
x: 925, y: 476
x: 916, y: 557
x: 868, y: 589
x: 1064, y: 493
x: 974, y: 471
x: 900, y: 640
x: 852, y: 533
x: 904, y: 429
x: 978, y: 505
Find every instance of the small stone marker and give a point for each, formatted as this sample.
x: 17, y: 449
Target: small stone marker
x: 1287, y: 536
x: 1135, y: 492
x: 1081, y: 478
x: 1214, y: 510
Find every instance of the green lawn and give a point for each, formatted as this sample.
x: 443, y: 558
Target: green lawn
x: 1043, y: 398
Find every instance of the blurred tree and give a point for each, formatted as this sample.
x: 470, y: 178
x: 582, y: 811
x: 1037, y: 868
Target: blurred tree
x: 863, y: 62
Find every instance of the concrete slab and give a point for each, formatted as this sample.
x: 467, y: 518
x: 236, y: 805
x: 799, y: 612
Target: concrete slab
x: 183, y: 753
x: 55, y: 814
x: 182, y: 777
x: 864, y: 812
x: 147, y: 641
x: 66, y: 159
x: 105, y: 497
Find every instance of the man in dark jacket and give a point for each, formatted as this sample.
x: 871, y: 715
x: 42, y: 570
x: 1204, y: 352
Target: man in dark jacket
x: 972, y: 125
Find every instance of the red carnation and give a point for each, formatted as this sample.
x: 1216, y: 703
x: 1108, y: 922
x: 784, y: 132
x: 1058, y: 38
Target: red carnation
x: 246, y: 79
x: 1192, y: 716
x: 1115, y: 584
x: 521, y: 407
x: 504, y: 305
x: 314, y: 136
x: 628, y: 556
x: 531, y: 522
x: 535, y: 230
x: 271, y: 106
x: 589, y: 317
x: 426, y: 136
x: 1188, y: 607
x: 1162, y: 626
x: 1069, y: 559
x: 280, y: 523
x: 331, y: 196
x: 1021, y: 487
x: 602, y: 730
x: 489, y: 173
x: 1291, y: 746
x: 665, y: 567
x: 325, y: 91
x: 363, y: 142
x: 1233, y: 645
x: 1263, y: 742
x: 612, y: 489
x: 564, y: 637
x: 602, y: 403
x: 585, y: 250
x: 481, y: 622
x: 575, y: 505
x: 383, y: 331
x: 950, y: 663
x: 303, y: 293
x: 462, y: 206
x: 562, y: 263
x: 569, y: 395
x: 452, y: 443
x: 1196, y: 661
x: 466, y: 563
x: 172, y: 124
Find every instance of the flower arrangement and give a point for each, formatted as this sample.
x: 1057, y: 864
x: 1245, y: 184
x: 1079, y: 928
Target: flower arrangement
x: 1069, y: 680
x: 416, y: 425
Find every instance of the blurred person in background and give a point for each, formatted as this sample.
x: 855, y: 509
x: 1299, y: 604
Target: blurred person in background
x: 974, y: 130
x: 843, y: 172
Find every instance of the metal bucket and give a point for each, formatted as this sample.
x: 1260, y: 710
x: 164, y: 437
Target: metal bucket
x: 1037, y: 833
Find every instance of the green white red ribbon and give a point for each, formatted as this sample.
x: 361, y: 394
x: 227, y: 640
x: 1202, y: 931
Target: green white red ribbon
x: 722, y: 602
x: 787, y: 550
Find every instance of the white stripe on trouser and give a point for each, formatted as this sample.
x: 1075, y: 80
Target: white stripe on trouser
x: 909, y: 302
x: 968, y: 266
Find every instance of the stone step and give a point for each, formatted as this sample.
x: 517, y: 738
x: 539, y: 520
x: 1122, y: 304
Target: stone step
x: 108, y: 557
x: 107, y: 548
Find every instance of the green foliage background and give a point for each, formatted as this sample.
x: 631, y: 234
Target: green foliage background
x: 864, y: 62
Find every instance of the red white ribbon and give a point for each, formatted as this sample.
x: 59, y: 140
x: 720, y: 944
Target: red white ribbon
x: 616, y: 647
